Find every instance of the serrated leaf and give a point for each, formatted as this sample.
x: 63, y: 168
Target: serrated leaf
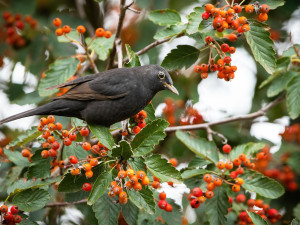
x: 143, y: 199
x: 248, y: 149
x: 122, y: 150
x: 272, y: 4
x: 130, y: 213
x: 150, y: 113
x: 198, y: 162
x: 40, y: 167
x: 201, y: 147
x: 262, y: 185
x: 106, y: 211
x: 164, y: 17
x: 21, y: 185
x: 171, y: 31
x: 194, y: 20
x: 72, y: 183
x: 100, y: 187
x: 192, y: 173
x: 31, y: 199
x: 279, y: 84
x: 257, y: 219
x: 262, y: 46
x: 103, y: 135
x: 23, y: 139
x: 16, y: 157
x: 291, y: 51
x: 59, y: 71
x: 162, y: 169
x: 295, y: 221
x: 73, y: 35
x: 293, y: 97
x: 182, y: 56
x: 134, y: 59
x: 137, y: 164
x: 206, y: 27
x: 217, y: 207
x: 144, y: 142
x: 296, y: 211
x: 28, y: 222
x: 102, y: 46
x: 76, y: 150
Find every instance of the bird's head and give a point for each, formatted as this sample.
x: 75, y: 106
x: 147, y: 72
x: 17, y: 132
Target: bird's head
x: 160, y: 78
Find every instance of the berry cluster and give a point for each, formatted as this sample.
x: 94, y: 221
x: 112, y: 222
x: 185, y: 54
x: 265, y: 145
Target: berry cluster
x: 196, y: 197
x: 15, y: 26
x: 138, y: 124
x: 220, y: 62
x: 100, y: 32
x: 257, y: 206
x: 9, y: 215
x: 163, y: 204
x: 189, y: 115
x: 291, y: 133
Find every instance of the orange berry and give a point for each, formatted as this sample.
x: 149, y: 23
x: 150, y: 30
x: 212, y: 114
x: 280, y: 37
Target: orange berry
x: 43, y: 121
x: 237, y: 8
x: 173, y: 161
x: 94, y: 162
x: 155, y: 184
x: 51, y: 139
x: 65, y: 133
x: 209, y: 7
x: 57, y: 22
x: 232, y: 37
x: 130, y: 172
x: 249, y: 8
x: 81, y: 29
x: 137, y: 186
x: 107, y: 34
x: 58, y: 126
x: 210, y: 186
x: 52, y: 153
x: 51, y: 126
x: 237, y: 162
x: 221, y: 165
x: 59, y: 32
x: 239, y: 181
x: 89, y: 174
x: 66, y: 29
x: 228, y: 165
x: 155, y: 178
x: 44, y: 154
x: 75, y: 172
x: 122, y: 174
x: 209, y: 194
x: 140, y: 174
x: 25, y: 152
x: 240, y: 170
x: 162, y: 196
x: 264, y: 8
x: 87, y: 167
x: 40, y: 127
x: 236, y: 188
x: 113, y: 184
x: 207, y: 178
x: 242, y: 20
x: 128, y: 185
x: 259, y: 203
x: 242, y: 157
x: 263, y: 17
x: 247, y: 162
x: 100, y: 32
x: 86, y: 146
x: 217, y: 182
x: 201, y: 199
x: 123, y: 195
x: 145, y: 181
x: 61, y: 164
x: 252, y: 166
x: 111, y: 194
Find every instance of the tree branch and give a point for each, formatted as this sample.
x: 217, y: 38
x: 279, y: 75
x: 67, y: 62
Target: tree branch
x: 61, y: 204
x: 112, y: 55
x: 250, y: 116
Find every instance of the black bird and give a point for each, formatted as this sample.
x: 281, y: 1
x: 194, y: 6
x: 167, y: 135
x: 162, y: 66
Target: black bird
x: 107, y: 97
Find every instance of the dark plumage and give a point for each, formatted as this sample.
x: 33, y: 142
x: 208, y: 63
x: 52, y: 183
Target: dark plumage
x: 107, y: 97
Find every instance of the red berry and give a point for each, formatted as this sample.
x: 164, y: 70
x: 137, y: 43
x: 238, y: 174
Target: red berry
x: 195, y: 203
x: 197, y: 192
x: 264, y: 8
x: 8, y: 216
x: 226, y: 148
x: 100, y: 32
x: 225, y: 47
x: 162, y: 204
x: 136, y: 129
x: 142, y: 123
x: 14, y: 209
x: 273, y: 213
x: 84, y: 131
x: 73, y: 159
x: 162, y: 196
x: 45, y: 154
x: 86, y: 186
x: 208, y: 39
x: 57, y: 22
x: 169, y: 208
x: 81, y: 29
x: 86, y: 146
x: 67, y: 142
x: 205, y: 15
x: 73, y: 136
x: 66, y: 29
x: 197, y: 69
x: 241, y: 198
x: 227, y: 59
x: 107, y: 34
x: 3, y: 208
x: 233, y: 174
x: 55, y: 145
x: 20, y: 25
x: 17, y: 219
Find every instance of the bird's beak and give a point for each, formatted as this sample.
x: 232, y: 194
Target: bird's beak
x: 171, y: 88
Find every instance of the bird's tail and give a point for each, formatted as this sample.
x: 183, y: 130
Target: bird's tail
x: 36, y: 111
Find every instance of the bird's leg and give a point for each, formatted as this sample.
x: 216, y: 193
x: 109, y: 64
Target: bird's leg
x: 124, y: 124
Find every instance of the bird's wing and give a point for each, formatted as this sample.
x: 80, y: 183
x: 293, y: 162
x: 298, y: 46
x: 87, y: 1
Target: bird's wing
x: 75, y: 82
x: 104, y: 87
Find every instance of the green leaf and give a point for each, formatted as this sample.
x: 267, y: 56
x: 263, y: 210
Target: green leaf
x: 102, y: 46
x: 21, y: 185
x: 256, y: 219
x: 130, y: 213
x: 295, y: 222
x: 23, y: 139
x: 164, y: 17
x: 106, y: 211
x: 100, y: 187
x: 261, y: 46
x: 206, y: 27
x: 150, y: 113
x: 137, y: 164
x: 143, y: 199
x: 76, y: 150
x: 134, y: 59
x: 262, y: 185
x: 272, y: 4
x: 217, y: 207
x: 194, y: 20
x: 144, y: 142
x: 16, y: 157
x: 201, y: 147
x: 191, y: 173
x: 169, y: 31
x: 28, y: 222
x: 296, y: 211
x: 73, y: 35
x: 72, y: 183
x: 293, y: 97
x: 103, y: 135
x: 59, y: 71
x: 182, y: 56
x: 248, y: 149
x: 291, y: 51
x: 198, y: 162
x: 23, y: 8
x: 294, y: 160
x: 122, y: 150
x: 279, y: 84
x: 163, y: 170
x: 31, y: 199
x: 170, y: 218
x: 40, y: 167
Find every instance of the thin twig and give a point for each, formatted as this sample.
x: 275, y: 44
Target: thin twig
x: 112, y: 55
x: 134, y: 10
x: 296, y: 50
x: 249, y: 116
x: 60, y: 204
x: 119, y: 52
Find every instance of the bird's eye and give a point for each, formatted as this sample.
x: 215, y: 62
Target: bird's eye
x: 161, y: 75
